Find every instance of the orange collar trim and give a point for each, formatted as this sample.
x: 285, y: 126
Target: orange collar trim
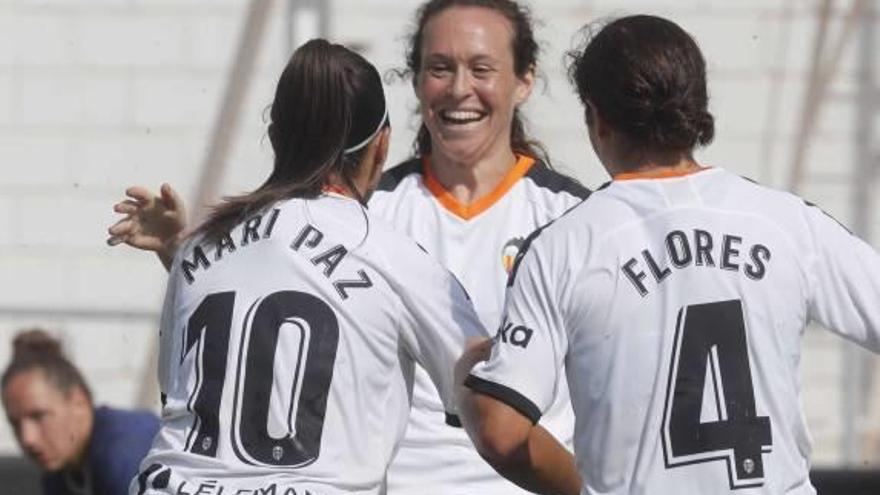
x: 328, y: 188
x: 467, y: 212
x: 657, y: 174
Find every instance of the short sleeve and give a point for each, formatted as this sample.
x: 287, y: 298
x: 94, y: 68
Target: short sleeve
x: 169, y: 340
x: 439, y: 319
x: 531, y: 343
x: 845, y: 282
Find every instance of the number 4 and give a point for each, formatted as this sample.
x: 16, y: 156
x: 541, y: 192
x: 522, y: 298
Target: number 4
x: 712, y: 336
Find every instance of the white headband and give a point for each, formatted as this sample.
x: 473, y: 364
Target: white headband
x: 370, y: 138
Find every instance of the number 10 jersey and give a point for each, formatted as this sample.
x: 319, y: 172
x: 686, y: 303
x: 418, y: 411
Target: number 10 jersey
x: 287, y: 353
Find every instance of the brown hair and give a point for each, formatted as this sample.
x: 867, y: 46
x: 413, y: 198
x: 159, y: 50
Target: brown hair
x: 36, y: 349
x: 325, y: 97
x: 646, y: 76
x: 525, y: 58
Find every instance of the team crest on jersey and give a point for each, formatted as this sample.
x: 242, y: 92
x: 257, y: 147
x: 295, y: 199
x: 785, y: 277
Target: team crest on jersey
x: 509, y: 251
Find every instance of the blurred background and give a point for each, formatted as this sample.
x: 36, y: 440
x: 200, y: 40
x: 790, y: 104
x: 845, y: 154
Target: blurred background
x: 96, y: 95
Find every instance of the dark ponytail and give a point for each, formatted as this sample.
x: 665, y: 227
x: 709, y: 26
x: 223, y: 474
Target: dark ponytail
x: 646, y: 76
x: 35, y: 349
x: 328, y: 101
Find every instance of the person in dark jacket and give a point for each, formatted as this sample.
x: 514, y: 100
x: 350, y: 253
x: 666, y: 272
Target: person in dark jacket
x: 82, y: 449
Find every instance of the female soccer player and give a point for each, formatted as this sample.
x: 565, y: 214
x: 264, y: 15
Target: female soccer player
x: 82, y: 449
x: 474, y: 190
x: 293, y: 317
x: 674, y: 299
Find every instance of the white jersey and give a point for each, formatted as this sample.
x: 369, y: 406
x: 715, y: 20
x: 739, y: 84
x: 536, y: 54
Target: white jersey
x: 287, y: 353
x: 478, y: 244
x: 676, y: 307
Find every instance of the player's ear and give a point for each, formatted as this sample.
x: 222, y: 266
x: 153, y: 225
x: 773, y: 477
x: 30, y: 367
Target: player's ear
x: 524, y: 86
x: 382, y: 145
x: 374, y: 158
x: 596, y: 122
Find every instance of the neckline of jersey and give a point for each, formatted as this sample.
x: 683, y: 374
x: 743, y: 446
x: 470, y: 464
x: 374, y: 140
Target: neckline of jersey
x: 336, y: 192
x: 653, y: 174
x: 467, y: 212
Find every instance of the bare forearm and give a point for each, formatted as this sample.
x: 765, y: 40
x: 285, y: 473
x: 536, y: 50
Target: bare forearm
x: 541, y: 465
x: 522, y: 452
x: 166, y: 254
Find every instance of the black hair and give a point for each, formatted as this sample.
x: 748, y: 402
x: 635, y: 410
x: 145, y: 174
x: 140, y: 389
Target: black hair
x: 329, y: 104
x: 525, y: 58
x: 646, y: 77
x: 35, y: 349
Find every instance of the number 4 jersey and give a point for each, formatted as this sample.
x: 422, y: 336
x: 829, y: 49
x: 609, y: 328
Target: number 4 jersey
x: 676, y: 307
x: 287, y: 353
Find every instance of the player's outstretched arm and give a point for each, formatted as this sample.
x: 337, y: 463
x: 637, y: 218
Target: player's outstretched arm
x: 152, y: 223
x: 523, y: 452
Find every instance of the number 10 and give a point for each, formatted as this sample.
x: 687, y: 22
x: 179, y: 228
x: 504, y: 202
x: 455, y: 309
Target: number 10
x: 311, y: 369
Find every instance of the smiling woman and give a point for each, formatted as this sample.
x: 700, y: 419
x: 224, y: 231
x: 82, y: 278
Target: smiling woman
x: 476, y: 187
x: 469, y: 90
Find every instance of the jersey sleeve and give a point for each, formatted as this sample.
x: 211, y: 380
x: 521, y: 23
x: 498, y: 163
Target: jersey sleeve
x: 845, y: 282
x: 169, y: 336
x: 439, y: 319
x: 524, y: 368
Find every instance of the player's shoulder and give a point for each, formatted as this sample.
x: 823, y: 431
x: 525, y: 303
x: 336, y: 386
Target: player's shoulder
x: 119, y: 432
x: 393, y: 177
x: 400, y: 261
x: 399, y: 187
x: 574, y: 227
x: 600, y: 210
x: 548, y: 180
x: 123, y: 422
x: 394, y: 246
x: 788, y: 211
x: 723, y: 184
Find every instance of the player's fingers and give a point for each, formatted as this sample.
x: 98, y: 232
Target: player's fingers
x: 170, y: 197
x: 140, y: 194
x: 478, y: 348
x: 479, y: 344
x: 115, y: 240
x: 121, y: 228
x: 127, y: 207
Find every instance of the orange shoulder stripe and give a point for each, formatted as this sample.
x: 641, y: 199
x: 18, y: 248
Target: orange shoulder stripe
x: 657, y: 174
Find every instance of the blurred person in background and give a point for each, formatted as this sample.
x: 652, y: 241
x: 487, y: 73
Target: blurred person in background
x: 674, y: 299
x: 83, y: 449
x: 476, y: 187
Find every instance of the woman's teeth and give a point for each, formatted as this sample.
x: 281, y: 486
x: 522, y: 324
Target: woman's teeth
x: 460, y: 116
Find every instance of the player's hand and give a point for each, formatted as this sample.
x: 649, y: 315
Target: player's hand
x: 152, y: 223
x: 475, y: 350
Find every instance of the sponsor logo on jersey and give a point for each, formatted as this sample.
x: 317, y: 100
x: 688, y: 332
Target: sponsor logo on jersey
x: 509, y: 251
x: 518, y: 335
x: 219, y: 487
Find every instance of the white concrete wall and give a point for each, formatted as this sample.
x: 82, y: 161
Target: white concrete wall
x: 96, y: 95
